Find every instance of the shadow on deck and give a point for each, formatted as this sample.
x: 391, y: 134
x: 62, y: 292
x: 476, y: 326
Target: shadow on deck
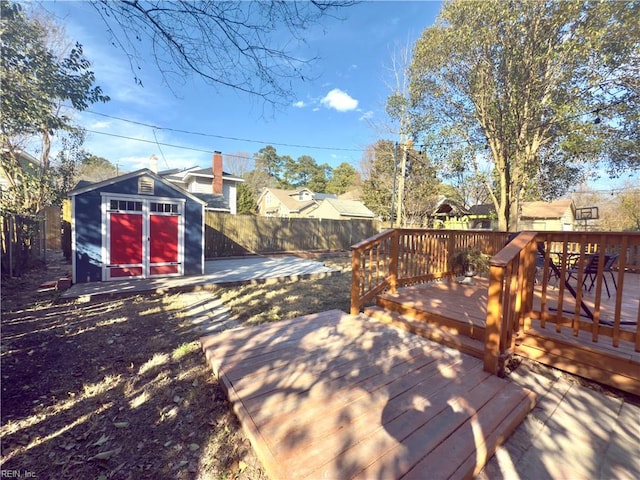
x: 332, y: 395
x: 454, y: 314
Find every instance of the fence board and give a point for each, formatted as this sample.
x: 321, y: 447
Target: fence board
x: 231, y: 235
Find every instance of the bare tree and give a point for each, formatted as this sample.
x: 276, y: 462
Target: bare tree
x: 238, y: 163
x: 250, y: 47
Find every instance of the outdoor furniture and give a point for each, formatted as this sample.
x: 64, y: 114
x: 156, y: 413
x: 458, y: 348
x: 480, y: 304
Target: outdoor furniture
x: 555, y: 270
x: 591, y: 271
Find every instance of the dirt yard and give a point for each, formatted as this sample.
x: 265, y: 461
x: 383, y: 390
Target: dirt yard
x: 120, y: 389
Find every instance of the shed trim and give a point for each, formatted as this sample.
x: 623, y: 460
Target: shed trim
x: 137, y: 173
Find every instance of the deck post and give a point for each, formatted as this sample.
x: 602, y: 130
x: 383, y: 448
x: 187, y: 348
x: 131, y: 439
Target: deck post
x: 394, y: 253
x: 494, y: 320
x: 355, y: 281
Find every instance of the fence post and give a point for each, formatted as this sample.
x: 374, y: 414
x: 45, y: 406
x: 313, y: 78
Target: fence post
x: 394, y: 253
x: 356, y: 276
x: 494, y: 320
x: 10, y: 244
x: 451, y: 248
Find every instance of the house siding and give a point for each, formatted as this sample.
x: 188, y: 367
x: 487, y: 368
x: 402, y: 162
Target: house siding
x: 89, y: 229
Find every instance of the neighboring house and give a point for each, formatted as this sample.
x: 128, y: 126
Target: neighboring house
x: 29, y: 164
x: 449, y: 214
x: 215, y: 187
x: 556, y: 215
x: 483, y: 217
x: 335, y: 209
x: 275, y: 202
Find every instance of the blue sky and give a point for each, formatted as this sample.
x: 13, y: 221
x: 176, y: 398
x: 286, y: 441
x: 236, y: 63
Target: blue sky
x: 337, y: 109
x: 340, y: 109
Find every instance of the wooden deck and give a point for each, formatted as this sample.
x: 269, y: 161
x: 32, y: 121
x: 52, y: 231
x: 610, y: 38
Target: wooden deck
x: 462, y: 309
x: 332, y: 395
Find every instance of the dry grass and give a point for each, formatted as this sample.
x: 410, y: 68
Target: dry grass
x: 120, y: 389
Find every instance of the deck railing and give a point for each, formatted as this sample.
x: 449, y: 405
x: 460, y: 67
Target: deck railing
x: 510, y: 298
x: 407, y: 256
x: 568, y: 305
x: 535, y: 276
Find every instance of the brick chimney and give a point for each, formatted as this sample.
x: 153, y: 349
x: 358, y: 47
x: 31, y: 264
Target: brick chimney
x: 217, y: 173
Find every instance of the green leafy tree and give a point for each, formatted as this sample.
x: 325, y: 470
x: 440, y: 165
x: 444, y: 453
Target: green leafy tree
x: 343, y: 177
x: 535, y: 89
x: 267, y: 161
x: 378, y: 170
x: 96, y: 169
x: 378, y: 183
x: 34, y: 83
x: 246, y: 204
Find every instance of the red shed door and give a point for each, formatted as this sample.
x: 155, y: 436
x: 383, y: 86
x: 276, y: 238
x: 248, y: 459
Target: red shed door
x: 125, y: 245
x: 164, y: 240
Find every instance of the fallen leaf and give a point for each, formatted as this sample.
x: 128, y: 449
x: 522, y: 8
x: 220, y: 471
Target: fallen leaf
x: 100, y: 441
x: 121, y: 424
x: 242, y: 466
x: 106, y: 455
x: 193, y: 447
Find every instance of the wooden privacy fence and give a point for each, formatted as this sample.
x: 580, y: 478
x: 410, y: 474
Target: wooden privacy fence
x: 23, y: 243
x: 230, y: 235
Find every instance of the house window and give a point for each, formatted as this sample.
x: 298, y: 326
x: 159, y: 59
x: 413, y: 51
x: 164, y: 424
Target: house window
x: 145, y: 186
x: 163, y: 207
x: 125, y: 206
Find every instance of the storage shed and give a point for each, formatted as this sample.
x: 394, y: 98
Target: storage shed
x: 136, y: 225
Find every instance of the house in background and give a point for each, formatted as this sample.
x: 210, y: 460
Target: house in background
x: 337, y: 209
x: 303, y: 203
x: 449, y: 214
x: 28, y: 163
x: 213, y: 186
x: 275, y: 202
x: 537, y: 216
x: 556, y: 215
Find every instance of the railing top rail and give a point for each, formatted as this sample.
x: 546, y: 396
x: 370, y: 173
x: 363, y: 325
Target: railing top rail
x: 376, y: 238
x: 512, y: 249
x: 575, y: 234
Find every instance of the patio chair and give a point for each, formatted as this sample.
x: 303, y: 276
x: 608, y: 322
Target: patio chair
x: 591, y: 271
x: 555, y: 270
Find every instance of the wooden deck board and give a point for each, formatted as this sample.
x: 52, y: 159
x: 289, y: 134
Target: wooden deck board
x: 336, y: 396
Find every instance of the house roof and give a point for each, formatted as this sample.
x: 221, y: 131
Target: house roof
x: 482, y: 209
x: 350, y: 208
x: 214, y: 202
x: 539, y: 209
x: 177, y: 175
x: 288, y: 198
x: 322, y: 196
x: 555, y: 209
x: 138, y: 173
x: 445, y: 207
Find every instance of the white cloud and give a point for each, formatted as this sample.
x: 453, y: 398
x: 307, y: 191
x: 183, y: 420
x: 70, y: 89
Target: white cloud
x: 299, y: 104
x: 99, y: 125
x: 339, y: 100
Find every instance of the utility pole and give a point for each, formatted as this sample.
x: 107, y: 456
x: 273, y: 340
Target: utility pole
x: 393, y: 188
x: 406, y: 145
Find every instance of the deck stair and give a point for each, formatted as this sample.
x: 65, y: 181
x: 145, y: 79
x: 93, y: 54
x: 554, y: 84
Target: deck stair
x: 444, y: 335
